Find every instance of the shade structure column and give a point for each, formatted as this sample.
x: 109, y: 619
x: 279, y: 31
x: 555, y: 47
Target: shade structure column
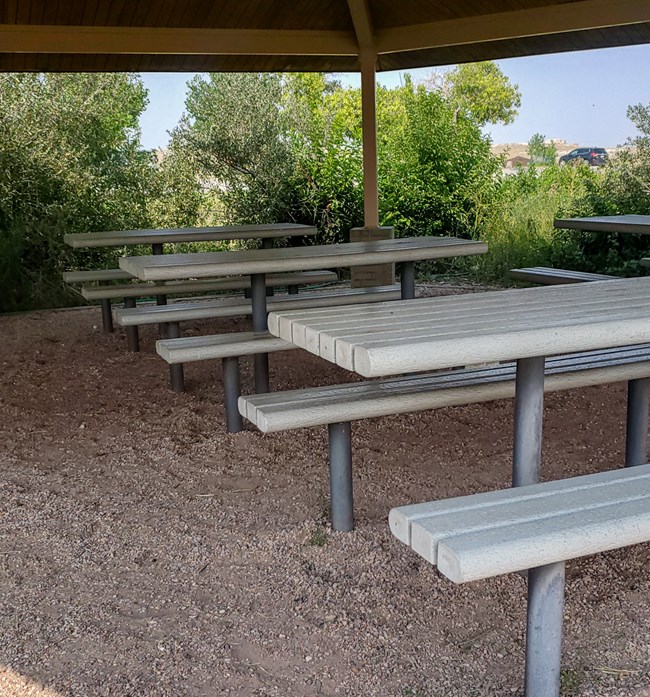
x: 260, y: 324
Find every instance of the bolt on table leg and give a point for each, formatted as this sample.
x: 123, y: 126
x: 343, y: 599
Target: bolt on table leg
x: 636, y: 438
x: 407, y: 280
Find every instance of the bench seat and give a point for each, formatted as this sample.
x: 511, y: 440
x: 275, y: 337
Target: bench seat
x: 548, y: 276
x: 317, y: 406
x: 138, y: 290
x: 537, y: 528
x: 499, y: 532
x: 237, y: 307
x: 99, y: 275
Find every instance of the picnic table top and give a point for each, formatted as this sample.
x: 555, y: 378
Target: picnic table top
x: 638, y: 224
x: 430, y: 333
x: 188, y: 234
x: 252, y: 261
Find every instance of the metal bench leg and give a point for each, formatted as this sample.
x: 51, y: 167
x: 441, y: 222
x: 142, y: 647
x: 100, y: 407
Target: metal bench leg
x: 176, y: 373
x: 232, y: 390
x: 341, y: 497
x: 636, y: 440
x: 260, y: 324
x: 107, y: 315
x: 529, y: 415
x: 544, y: 630
x: 407, y: 280
x: 132, y: 335
x: 293, y: 289
x: 157, y: 248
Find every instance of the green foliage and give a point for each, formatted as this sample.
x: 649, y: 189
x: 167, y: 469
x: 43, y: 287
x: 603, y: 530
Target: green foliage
x: 541, y: 151
x: 483, y: 93
x: 70, y: 161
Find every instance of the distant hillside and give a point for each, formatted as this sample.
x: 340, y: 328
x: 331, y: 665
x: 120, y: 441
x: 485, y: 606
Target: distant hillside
x: 513, y: 150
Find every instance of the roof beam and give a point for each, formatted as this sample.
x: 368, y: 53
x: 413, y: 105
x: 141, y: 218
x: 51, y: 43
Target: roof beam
x: 360, y: 13
x: 553, y: 19
x: 182, y: 41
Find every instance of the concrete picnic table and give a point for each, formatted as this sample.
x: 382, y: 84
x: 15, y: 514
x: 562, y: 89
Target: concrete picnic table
x: 259, y: 262
x: 523, y: 325
x: 156, y: 238
x: 637, y: 224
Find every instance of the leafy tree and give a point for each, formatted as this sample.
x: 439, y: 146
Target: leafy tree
x: 481, y: 91
x: 70, y: 161
x: 541, y: 151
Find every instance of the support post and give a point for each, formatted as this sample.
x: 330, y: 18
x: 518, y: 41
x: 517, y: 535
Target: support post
x: 267, y: 243
x: 176, y: 373
x: 260, y: 324
x: 340, y: 456
x: 529, y: 416
x: 157, y: 248
x: 293, y: 289
x: 107, y: 315
x: 132, y: 333
x: 369, y: 133
x: 407, y: 280
x: 232, y: 390
x: 544, y: 630
x: 636, y: 439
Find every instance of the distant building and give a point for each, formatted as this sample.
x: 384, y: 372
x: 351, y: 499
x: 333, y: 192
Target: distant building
x: 518, y: 161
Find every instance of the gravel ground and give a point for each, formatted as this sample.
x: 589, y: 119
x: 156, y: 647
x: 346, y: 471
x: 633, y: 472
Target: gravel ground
x: 146, y: 552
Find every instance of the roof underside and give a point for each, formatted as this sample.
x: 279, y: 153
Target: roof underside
x: 327, y: 35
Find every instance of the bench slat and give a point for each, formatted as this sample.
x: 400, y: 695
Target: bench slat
x: 543, y: 274
x: 96, y: 275
x: 236, y: 307
x: 201, y: 348
x: 496, y: 532
x: 137, y: 290
x: 277, y: 411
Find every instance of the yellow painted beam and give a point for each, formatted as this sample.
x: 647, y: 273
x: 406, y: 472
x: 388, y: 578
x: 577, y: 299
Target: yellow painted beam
x: 181, y: 41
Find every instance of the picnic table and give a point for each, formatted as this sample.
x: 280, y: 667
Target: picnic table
x: 259, y: 262
x: 156, y: 238
x: 637, y: 224
x: 522, y: 324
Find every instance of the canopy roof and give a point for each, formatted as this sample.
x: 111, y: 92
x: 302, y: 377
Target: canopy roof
x: 327, y: 35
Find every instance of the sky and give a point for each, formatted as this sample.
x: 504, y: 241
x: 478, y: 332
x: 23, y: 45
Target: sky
x: 581, y: 97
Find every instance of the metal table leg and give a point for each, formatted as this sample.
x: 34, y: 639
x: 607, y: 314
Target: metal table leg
x: 132, y: 333
x: 340, y: 452
x: 232, y: 390
x: 529, y: 413
x: 260, y: 324
x: 107, y: 315
x: 176, y: 372
x: 636, y: 440
x: 407, y: 280
x: 544, y: 630
x: 267, y: 243
x: 157, y: 248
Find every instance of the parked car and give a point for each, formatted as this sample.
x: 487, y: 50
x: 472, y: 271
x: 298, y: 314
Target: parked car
x: 595, y: 157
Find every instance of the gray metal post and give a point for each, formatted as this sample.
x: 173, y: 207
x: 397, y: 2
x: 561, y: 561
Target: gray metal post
x: 232, y: 390
x: 157, y: 248
x: 267, y: 243
x: 529, y: 415
x: 636, y: 440
x: 544, y: 630
x: 107, y: 315
x: 132, y: 334
x: 407, y: 279
x: 340, y: 455
x: 176, y: 373
x: 293, y: 289
x: 260, y: 324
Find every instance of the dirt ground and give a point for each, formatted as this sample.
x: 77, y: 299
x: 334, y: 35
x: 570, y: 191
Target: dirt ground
x: 146, y: 552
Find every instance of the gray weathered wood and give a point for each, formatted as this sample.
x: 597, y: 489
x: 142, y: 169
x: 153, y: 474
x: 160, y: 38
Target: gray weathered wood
x: 636, y: 224
x: 483, y: 535
x: 138, y: 290
x: 431, y: 333
x: 202, y: 348
x: 237, y: 307
x: 96, y: 275
x: 202, y: 234
x: 284, y: 259
x: 542, y: 274
x: 315, y: 406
